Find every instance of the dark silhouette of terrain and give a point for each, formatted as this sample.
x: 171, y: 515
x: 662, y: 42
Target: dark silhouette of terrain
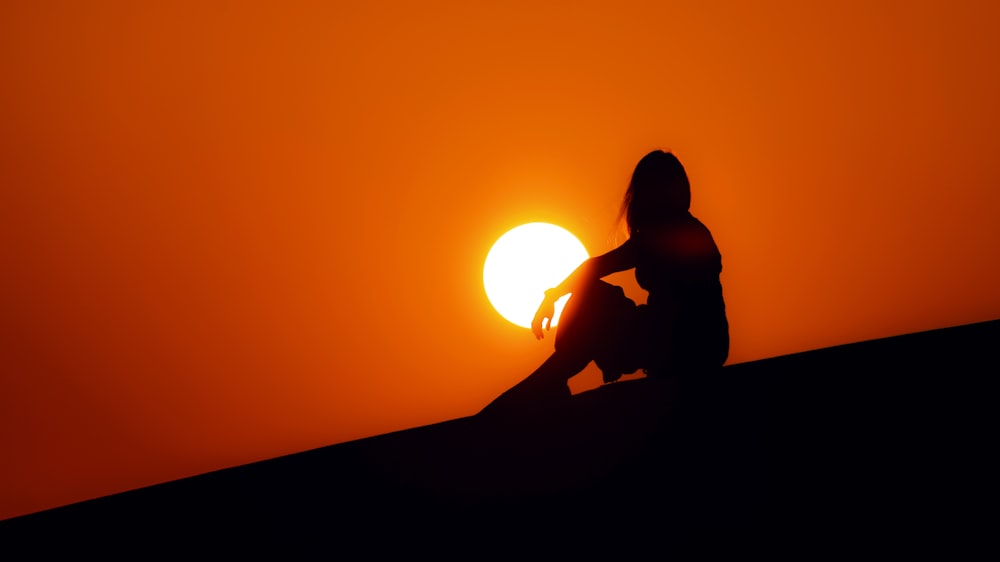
x: 884, y: 440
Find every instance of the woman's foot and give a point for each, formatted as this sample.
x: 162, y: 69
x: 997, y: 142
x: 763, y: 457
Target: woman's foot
x: 528, y: 396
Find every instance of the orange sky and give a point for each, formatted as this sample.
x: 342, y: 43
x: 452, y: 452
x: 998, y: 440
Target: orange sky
x: 235, y: 230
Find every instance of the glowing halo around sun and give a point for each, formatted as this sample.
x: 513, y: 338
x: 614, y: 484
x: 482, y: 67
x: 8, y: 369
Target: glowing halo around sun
x: 523, y: 263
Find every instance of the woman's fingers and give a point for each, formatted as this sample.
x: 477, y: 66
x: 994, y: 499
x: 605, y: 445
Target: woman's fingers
x: 536, y: 326
x: 542, y: 319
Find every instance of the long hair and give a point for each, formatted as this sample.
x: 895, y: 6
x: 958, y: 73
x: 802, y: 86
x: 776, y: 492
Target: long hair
x: 658, y: 192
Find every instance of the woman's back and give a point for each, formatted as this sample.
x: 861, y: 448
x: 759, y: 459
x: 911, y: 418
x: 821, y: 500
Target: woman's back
x: 679, y: 265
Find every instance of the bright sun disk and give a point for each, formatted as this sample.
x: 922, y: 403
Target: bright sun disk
x: 526, y: 261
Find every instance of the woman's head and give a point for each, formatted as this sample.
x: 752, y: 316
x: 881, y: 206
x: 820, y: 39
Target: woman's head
x: 658, y: 192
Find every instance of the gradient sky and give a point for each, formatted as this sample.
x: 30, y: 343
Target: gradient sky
x: 235, y: 230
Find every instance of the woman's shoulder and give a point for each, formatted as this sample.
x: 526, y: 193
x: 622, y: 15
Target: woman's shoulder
x: 681, y: 225
x: 684, y: 236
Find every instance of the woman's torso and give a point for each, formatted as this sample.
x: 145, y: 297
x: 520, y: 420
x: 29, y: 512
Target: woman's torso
x: 679, y: 265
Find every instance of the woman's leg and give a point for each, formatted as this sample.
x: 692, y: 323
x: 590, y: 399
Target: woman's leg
x: 603, y: 324
x: 544, y: 386
x: 588, y: 329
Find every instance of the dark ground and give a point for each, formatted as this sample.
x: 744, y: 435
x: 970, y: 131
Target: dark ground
x: 876, y: 447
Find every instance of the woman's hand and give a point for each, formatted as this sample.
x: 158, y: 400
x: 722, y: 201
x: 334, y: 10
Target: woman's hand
x: 543, y: 316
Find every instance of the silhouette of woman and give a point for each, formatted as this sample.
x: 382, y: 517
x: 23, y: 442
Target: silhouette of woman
x: 682, y: 329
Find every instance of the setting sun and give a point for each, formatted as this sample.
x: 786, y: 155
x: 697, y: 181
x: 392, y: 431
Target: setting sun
x: 523, y: 263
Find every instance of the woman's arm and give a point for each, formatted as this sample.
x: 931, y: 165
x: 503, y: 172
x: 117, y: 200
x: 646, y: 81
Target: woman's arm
x: 621, y: 258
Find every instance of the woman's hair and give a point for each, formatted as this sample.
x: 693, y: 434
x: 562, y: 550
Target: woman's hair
x: 659, y: 191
